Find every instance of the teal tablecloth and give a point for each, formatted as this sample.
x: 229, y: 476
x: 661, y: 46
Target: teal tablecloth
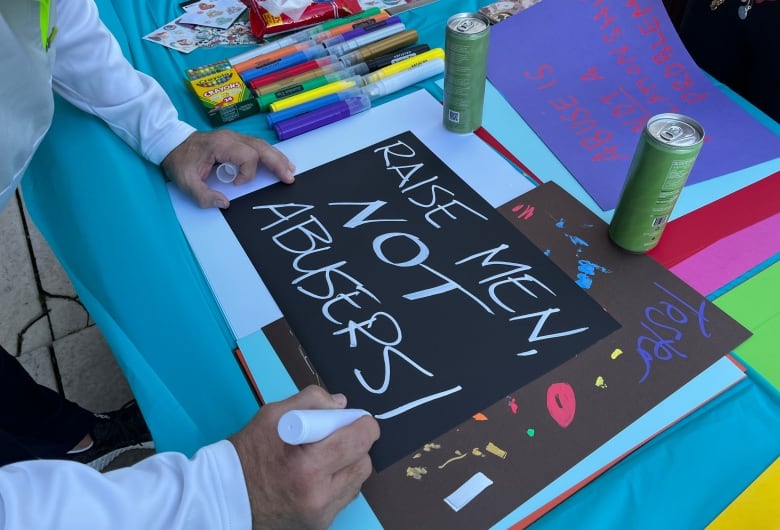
x: 108, y: 218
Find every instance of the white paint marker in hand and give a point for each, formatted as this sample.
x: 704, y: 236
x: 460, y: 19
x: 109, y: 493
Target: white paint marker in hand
x: 308, y: 426
x: 227, y: 172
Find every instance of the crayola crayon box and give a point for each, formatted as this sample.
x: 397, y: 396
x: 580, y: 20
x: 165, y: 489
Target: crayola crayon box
x: 222, y: 92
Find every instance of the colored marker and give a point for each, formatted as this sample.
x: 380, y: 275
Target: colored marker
x: 373, y: 36
x: 285, y: 114
x: 290, y: 71
x: 400, y: 66
x: 303, y: 97
x: 406, y: 78
x: 291, y: 90
x: 375, y: 90
x: 323, y: 116
x: 334, y: 22
x: 297, y: 427
x: 386, y: 60
x: 362, y: 30
x: 375, y: 49
x: 343, y: 28
x: 349, y: 102
x: 285, y: 62
x: 299, y: 78
x: 270, y: 57
x: 303, y: 35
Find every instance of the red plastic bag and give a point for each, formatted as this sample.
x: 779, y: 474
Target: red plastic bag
x: 264, y: 24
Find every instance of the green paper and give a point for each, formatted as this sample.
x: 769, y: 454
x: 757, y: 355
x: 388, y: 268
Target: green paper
x: 754, y: 304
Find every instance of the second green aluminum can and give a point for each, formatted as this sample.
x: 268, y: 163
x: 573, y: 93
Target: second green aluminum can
x: 664, y: 157
x: 465, y: 69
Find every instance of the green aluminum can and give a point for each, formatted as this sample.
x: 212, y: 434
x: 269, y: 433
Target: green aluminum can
x: 663, y: 159
x: 465, y: 67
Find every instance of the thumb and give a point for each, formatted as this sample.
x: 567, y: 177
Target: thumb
x: 209, y: 198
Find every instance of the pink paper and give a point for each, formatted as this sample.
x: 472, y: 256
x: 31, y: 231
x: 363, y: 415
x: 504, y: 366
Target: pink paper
x: 723, y: 261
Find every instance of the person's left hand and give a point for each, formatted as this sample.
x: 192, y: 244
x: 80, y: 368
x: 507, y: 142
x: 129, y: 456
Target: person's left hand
x: 190, y: 163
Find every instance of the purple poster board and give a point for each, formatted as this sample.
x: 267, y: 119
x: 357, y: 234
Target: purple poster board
x: 587, y: 75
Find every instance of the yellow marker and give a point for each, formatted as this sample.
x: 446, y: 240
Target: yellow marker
x: 314, y: 93
x: 406, y: 64
x: 615, y: 354
x: 600, y: 382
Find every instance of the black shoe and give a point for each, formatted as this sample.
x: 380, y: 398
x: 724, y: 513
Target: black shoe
x: 113, y: 434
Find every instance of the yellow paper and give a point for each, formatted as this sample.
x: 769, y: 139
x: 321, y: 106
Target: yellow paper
x: 756, y: 508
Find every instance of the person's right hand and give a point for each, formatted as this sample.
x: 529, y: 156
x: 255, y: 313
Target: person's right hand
x: 303, y: 487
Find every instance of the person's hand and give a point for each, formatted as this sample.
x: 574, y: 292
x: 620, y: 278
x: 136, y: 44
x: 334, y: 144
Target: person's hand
x: 303, y: 487
x: 190, y: 163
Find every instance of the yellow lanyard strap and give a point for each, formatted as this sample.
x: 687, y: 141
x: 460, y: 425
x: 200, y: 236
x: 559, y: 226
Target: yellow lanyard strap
x: 43, y: 20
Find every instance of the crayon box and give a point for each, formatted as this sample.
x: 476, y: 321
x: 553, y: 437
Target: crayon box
x: 222, y: 91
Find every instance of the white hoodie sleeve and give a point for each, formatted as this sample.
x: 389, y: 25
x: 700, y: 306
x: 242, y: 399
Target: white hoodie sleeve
x: 166, y: 491
x: 91, y: 72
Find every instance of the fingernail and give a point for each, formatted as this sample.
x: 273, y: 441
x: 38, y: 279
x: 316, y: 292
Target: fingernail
x: 340, y: 399
x: 219, y: 203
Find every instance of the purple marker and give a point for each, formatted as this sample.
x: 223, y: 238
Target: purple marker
x: 285, y: 114
x: 357, y: 32
x: 323, y: 116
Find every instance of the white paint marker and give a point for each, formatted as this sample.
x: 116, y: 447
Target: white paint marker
x: 227, y: 172
x: 308, y: 426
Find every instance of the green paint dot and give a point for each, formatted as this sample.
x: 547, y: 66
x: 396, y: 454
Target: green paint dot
x: 530, y: 433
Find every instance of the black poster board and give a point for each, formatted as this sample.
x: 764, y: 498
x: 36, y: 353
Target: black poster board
x: 410, y: 293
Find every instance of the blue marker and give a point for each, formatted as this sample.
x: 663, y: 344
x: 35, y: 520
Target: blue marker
x: 285, y: 114
x: 285, y: 62
x: 323, y: 116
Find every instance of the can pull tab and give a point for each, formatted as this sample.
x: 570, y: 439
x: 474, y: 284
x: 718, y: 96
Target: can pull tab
x: 671, y: 133
x: 676, y: 135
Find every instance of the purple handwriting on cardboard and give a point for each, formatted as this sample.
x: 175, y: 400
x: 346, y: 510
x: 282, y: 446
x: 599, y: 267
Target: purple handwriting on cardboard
x: 587, y: 74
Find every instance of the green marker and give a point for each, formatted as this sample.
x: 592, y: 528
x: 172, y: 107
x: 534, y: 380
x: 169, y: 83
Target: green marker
x: 339, y: 21
x: 265, y: 100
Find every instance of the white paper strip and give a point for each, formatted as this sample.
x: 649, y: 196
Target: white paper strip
x: 466, y: 493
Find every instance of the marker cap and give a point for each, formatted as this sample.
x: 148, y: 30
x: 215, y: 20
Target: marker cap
x: 227, y: 172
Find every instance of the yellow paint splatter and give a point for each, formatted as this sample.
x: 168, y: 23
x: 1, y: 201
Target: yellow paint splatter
x: 416, y: 472
x: 477, y: 452
x: 454, y: 458
x: 496, y: 450
x: 615, y: 354
x: 480, y: 417
x: 416, y: 455
x: 430, y: 447
x: 600, y: 382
